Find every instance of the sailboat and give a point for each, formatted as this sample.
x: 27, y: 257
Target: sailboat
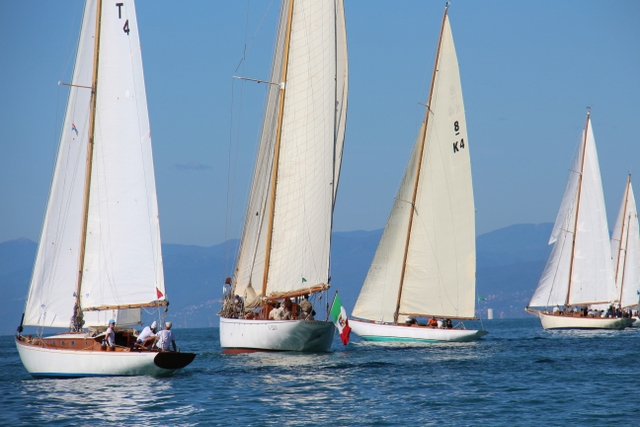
x: 579, y: 275
x: 285, y: 245
x: 99, y: 255
x: 424, y: 265
x: 625, y: 251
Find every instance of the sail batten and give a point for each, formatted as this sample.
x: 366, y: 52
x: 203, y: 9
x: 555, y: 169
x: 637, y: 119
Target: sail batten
x: 435, y: 205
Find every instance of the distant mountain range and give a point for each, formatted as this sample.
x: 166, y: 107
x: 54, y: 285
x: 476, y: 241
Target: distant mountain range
x: 509, y: 263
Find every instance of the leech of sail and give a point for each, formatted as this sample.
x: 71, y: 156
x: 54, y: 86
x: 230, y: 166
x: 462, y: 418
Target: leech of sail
x: 423, y: 133
x: 276, y: 156
x: 87, y: 185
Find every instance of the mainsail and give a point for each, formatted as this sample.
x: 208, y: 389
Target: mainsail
x: 287, y: 231
x: 579, y: 270
x: 425, y: 261
x: 625, y: 249
x: 122, y: 265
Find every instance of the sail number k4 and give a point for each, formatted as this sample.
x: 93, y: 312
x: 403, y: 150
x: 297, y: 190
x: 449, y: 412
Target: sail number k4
x: 458, y: 145
x: 125, y: 28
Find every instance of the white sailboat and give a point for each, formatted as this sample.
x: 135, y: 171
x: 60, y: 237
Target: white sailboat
x: 579, y: 274
x: 425, y: 261
x: 625, y: 251
x: 284, y: 252
x: 99, y: 255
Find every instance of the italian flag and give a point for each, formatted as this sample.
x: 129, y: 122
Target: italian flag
x: 339, y: 316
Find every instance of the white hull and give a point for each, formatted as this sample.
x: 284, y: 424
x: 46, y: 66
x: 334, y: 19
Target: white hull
x: 43, y: 361
x: 400, y: 333
x: 551, y: 321
x: 241, y: 335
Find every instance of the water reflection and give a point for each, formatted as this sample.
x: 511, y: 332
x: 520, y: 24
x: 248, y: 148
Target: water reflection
x: 104, y: 400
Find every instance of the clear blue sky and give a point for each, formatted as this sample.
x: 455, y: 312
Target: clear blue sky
x: 529, y: 69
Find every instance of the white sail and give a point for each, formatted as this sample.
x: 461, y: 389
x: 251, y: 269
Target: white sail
x: 625, y: 250
x: 439, y: 271
x: 122, y: 264
x: 292, y: 224
x: 582, y: 274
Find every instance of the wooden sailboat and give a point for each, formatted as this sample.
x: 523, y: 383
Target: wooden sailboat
x: 425, y: 262
x: 625, y: 252
x: 284, y: 251
x: 99, y: 255
x: 579, y: 274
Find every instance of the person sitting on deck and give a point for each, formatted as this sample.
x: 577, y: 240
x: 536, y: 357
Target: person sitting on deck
x: 306, y: 309
x: 165, y: 337
x: 147, y: 336
x: 410, y: 321
x: 448, y: 324
x: 432, y: 322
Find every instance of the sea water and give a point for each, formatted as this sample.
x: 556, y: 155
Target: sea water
x: 518, y: 375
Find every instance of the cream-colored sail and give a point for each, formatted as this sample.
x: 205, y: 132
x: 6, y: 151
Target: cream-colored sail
x: 425, y: 262
x: 287, y: 232
x: 579, y: 270
x: 122, y: 262
x: 625, y: 249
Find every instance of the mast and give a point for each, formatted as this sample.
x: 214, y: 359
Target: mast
x: 276, y: 156
x: 575, y: 224
x: 417, y: 180
x: 624, y: 215
x: 78, y: 316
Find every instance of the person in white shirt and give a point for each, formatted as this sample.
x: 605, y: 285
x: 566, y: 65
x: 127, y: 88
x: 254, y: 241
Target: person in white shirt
x: 165, y: 337
x: 147, y: 336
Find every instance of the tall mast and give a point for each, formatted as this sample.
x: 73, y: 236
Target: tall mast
x: 624, y: 217
x: 575, y: 224
x: 417, y: 180
x: 78, y: 316
x: 276, y: 156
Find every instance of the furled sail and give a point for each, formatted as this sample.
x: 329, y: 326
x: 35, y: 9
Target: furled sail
x: 287, y: 231
x: 625, y: 249
x: 123, y: 261
x: 581, y: 219
x: 435, y: 273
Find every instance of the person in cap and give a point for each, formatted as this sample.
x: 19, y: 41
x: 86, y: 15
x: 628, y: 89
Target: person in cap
x: 164, y: 337
x: 110, y: 334
x: 147, y: 336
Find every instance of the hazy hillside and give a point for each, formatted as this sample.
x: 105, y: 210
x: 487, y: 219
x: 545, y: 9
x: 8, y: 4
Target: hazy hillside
x: 510, y: 261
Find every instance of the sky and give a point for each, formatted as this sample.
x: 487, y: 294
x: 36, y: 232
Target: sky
x: 529, y: 70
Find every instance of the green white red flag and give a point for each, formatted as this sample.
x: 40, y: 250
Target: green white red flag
x: 339, y: 316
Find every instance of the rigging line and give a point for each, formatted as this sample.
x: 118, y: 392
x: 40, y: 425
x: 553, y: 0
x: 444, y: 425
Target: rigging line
x: 247, y: 46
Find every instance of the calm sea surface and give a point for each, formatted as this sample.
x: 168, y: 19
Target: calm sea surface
x: 519, y: 374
